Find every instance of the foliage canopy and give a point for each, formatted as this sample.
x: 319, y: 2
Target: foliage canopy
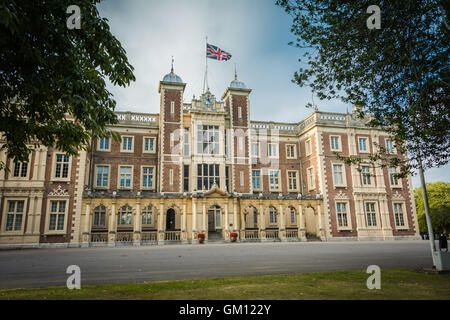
x: 52, y: 78
x: 398, y: 75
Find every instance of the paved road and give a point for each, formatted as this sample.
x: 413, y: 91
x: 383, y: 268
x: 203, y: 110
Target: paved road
x: 47, y: 267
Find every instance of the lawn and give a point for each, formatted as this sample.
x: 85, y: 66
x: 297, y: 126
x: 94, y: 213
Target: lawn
x: 395, y: 284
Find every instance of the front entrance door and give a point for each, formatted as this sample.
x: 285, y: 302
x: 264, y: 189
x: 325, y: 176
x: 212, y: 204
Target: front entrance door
x: 211, y: 221
x: 170, y: 220
x: 214, y: 219
x: 310, y: 221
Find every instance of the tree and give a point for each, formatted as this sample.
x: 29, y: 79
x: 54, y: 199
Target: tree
x: 439, y: 200
x: 397, y: 76
x: 52, y: 78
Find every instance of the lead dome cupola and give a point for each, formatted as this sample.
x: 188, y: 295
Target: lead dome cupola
x: 237, y: 84
x: 172, y: 77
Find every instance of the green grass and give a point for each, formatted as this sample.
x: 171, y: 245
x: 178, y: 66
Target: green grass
x: 395, y: 284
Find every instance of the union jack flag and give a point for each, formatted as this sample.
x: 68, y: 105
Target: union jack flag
x: 216, y: 53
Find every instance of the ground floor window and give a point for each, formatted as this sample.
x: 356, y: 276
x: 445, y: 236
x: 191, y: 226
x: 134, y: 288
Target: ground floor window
x: 292, y: 215
x: 398, y: 214
x: 341, y: 208
x: 147, y: 215
x: 14, y: 216
x: 57, y: 215
x: 272, y: 215
x: 371, y: 214
x: 99, y: 217
x: 125, y: 215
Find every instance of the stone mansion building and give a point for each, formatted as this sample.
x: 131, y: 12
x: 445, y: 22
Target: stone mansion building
x: 205, y: 168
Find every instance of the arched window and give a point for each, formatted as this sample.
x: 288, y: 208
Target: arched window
x: 99, y: 217
x: 272, y: 215
x: 125, y: 215
x: 252, y: 220
x: 292, y: 214
x: 147, y: 215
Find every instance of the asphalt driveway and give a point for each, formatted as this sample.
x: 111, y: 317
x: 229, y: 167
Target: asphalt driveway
x: 47, y: 267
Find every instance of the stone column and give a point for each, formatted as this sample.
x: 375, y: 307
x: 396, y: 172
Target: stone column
x: 43, y: 159
x: 360, y: 220
x: 301, y: 224
x: 2, y: 159
x: 262, y: 222
x: 385, y: 221
x: 37, y: 160
x: 161, y: 222
x: 86, y: 233
x: 243, y: 224
x: 227, y: 223
x: 235, y: 217
x: 112, y: 225
x: 194, y: 219
x: 37, y: 216
x: 184, y: 223
x: 30, y: 214
x: 321, y: 230
x: 282, y: 224
x: 204, y: 226
x: 137, y: 224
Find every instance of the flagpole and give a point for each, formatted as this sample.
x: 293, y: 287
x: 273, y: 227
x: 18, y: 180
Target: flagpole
x: 205, y: 80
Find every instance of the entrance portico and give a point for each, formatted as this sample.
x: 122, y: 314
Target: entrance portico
x: 168, y: 218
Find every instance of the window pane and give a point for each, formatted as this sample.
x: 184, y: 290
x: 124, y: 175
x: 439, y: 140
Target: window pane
x: 52, y: 224
x: 9, y: 222
x: 60, y: 222
x: 58, y: 170
x: 62, y: 206
x: 19, y: 206
x: 16, y: 170
x: 65, y: 172
x: 18, y: 222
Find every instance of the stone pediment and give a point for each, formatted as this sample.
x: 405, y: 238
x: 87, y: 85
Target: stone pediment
x: 215, y: 191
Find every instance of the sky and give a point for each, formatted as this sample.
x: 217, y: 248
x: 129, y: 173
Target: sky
x: 255, y: 32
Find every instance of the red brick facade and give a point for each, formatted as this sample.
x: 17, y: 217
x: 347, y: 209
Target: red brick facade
x: 302, y: 159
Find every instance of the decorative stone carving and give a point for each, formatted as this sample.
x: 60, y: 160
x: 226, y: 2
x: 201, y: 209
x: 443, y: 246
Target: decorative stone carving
x: 59, y: 192
x: 341, y: 196
x: 397, y: 196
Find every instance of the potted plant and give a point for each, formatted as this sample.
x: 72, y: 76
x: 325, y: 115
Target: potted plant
x: 201, y: 237
x: 233, y: 236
